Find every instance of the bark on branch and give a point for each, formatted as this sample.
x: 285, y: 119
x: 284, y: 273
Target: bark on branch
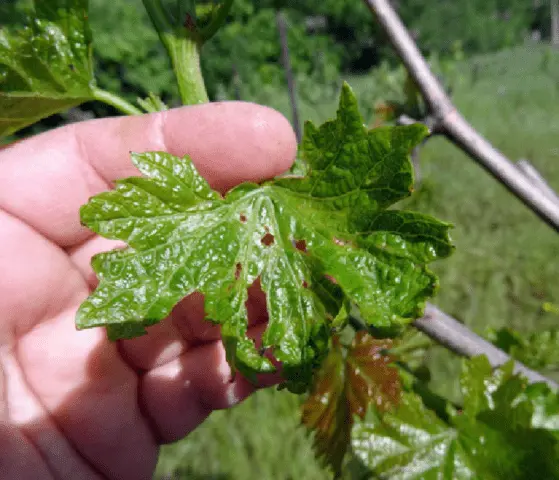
x: 537, y: 179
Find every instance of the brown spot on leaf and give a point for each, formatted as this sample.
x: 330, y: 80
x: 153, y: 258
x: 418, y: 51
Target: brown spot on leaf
x: 300, y: 245
x: 267, y: 239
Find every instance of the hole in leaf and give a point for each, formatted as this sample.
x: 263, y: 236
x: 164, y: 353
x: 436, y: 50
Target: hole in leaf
x: 300, y: 245
x: 243, y: 218
x: 238, y: 270
x: 257, y: 313
x: 267, y: 239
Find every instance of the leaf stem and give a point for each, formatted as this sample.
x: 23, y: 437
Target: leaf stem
x: 115, y: 101
x: 185, y: 56
x: 183, y: 42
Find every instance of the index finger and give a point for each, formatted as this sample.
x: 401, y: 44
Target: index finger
x: 44, y: 180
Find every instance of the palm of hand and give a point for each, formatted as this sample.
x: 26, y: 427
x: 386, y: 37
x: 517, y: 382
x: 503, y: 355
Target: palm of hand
x: 73, y: 405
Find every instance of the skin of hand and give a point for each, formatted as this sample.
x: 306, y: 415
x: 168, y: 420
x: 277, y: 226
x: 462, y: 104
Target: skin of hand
x: 72, y: 404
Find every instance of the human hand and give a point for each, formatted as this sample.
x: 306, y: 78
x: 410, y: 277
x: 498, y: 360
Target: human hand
x: 72, y: 404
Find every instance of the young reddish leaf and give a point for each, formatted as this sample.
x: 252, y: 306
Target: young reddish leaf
x: 349, y: 380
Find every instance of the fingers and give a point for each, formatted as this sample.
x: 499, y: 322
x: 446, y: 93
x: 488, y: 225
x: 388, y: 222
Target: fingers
x: 45, y: 179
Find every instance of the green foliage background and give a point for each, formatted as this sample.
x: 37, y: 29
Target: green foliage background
x: 326, y: 37
x: 127, y: 50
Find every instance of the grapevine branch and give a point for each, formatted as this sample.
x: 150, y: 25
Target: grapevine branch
x: 530, y: 171
x: 445, y: 119
x: 451, y: 123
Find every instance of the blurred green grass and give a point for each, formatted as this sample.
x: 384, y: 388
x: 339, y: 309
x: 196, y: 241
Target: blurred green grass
x: 505, y: 266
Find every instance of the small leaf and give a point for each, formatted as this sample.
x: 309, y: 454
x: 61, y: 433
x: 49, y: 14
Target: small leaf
x: 410, y: 443
x: 46, y: 66
x: 184, y: 237
x: 505, y: 430
x: 348, y: 381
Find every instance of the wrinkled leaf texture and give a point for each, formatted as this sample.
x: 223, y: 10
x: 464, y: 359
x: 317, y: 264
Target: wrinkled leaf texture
x: 349, y: 380
x: 46, y: 66
x: 292, y: 233
x: 506, y: 430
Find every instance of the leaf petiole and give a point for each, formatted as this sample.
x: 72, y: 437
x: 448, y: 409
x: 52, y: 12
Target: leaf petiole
x: 115, y: 101
x: 182, y: 42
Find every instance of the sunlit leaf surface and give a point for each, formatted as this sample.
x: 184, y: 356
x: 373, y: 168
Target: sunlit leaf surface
x: 292, y: 233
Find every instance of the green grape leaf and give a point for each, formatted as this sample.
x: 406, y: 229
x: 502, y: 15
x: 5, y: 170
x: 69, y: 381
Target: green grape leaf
x: 505, y: 430
x: 348, y: 381
x: 290, y: 233
x: 409, y: 443
x: 46, y: 66
x: 539, y: 350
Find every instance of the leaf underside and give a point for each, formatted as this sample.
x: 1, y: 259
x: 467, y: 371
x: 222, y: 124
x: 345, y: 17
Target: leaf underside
x: 46, y: 66
x: 505, y: 430
x: 317, y: 243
